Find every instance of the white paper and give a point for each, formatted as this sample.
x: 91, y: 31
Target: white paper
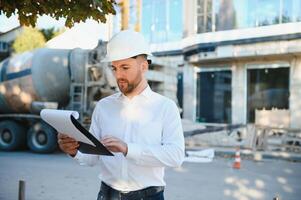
x: 61, y: 121
x: 203, y: 156
x: 197, y: 160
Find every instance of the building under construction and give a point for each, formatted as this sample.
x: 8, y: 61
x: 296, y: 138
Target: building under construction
x: 230, y: 59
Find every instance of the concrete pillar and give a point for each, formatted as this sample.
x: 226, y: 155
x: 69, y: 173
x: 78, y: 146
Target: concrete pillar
x: 295, y: 93
x: 189, y: 100
x: 239, y: 87
x: 190, y: 25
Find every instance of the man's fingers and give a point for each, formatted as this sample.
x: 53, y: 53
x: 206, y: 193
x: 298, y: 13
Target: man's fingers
x: 114, y: 144
x: 65, y: 143
x: 66, y: 140
x: 107, y: 136
x: 69, y: 146
x: 109, y: 139
x: 62, y: 135
x: 63, y: 140
x: 104, y: 140
x: 111, y: 143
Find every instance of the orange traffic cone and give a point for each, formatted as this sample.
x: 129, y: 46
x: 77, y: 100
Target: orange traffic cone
x: 236, y: 164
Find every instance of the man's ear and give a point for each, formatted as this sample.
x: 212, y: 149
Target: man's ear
x: 144, y: 66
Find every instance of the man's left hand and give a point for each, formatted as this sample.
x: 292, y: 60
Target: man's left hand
x: 114, y: 144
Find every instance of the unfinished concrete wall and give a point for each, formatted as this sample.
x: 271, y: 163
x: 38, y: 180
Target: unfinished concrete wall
x: 190, y: 25
x: 189, y: 101
x: 239, y: 93
x: 164, y: 75
x: 295, y: 93
x: 169, y: 86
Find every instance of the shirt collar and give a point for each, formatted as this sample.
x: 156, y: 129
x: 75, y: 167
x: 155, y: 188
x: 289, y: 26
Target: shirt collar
x: 145, y: 93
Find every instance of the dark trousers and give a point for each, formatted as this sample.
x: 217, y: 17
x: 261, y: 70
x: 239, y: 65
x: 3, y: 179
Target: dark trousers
x: 150, y: 193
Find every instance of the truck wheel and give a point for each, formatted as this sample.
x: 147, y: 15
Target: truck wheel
x: 12, y: 136
x: 41, y: 138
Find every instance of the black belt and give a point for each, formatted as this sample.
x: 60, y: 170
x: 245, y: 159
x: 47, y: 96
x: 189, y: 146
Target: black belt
x: 138, y: 194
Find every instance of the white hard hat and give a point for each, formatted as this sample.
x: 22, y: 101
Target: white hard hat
x: 126, y: 44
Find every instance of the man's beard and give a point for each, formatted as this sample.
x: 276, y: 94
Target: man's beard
x: 126, y: 87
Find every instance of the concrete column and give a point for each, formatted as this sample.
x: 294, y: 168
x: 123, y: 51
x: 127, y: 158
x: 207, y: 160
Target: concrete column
x: 189, y: 97
x: 239, y: 87
x: 295, y: 93
x: 170, y: 69
x: 189, y: 8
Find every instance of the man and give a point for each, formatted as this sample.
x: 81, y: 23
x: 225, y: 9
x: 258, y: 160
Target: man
x: 141, y: 127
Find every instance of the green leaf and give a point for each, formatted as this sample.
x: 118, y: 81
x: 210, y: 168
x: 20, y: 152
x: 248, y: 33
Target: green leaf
x: 73, y: 10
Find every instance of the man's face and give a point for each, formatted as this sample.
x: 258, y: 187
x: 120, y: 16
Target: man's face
x: 129, y: 73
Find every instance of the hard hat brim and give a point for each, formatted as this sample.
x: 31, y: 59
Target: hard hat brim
x: 108, y: 59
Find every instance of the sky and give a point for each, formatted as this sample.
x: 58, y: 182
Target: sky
x: 83, y: 35
x: 7, y: 24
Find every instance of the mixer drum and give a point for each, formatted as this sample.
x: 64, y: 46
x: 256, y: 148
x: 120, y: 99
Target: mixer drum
x: 41, y: 75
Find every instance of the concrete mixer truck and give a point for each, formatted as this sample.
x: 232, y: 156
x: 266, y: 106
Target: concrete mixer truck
x: 48, y: 78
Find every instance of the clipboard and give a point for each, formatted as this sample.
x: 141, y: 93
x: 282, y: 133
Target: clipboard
x: 65, y: 121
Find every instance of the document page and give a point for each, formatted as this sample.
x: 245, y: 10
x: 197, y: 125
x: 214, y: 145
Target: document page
x: 61, y: 121
x: 65, y: 121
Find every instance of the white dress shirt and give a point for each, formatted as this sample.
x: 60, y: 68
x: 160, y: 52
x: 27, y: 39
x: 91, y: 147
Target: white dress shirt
x: 150, y: 124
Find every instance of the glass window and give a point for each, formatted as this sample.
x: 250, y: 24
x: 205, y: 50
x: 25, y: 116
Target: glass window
x: 287, y: 13
x: 267, y: 12
x: 225, y: 17
x: 162, y: 20
x: 175, y: 20
x: 159, y: 34
x: 133, y: 20
x: 204, y: 16
x: 214, y: 96
x: 235, y: 14
x: 117, y: 19
x: 146, y: 22
x: 267, y: 88
x: 291, y: 11
x: 245, y: 13
x: 209, y: 16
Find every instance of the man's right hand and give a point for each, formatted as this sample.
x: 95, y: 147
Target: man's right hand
x: 67, y: 144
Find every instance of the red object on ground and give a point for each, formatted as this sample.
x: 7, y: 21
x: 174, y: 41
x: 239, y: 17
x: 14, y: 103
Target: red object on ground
x: 237, y: 161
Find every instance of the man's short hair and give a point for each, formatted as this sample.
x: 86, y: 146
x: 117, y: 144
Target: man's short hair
x: 144, y: 56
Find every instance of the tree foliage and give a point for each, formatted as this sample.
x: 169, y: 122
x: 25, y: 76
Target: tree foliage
x: 73, y: 10
x: 29, y: 39
x: 50, y: 33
